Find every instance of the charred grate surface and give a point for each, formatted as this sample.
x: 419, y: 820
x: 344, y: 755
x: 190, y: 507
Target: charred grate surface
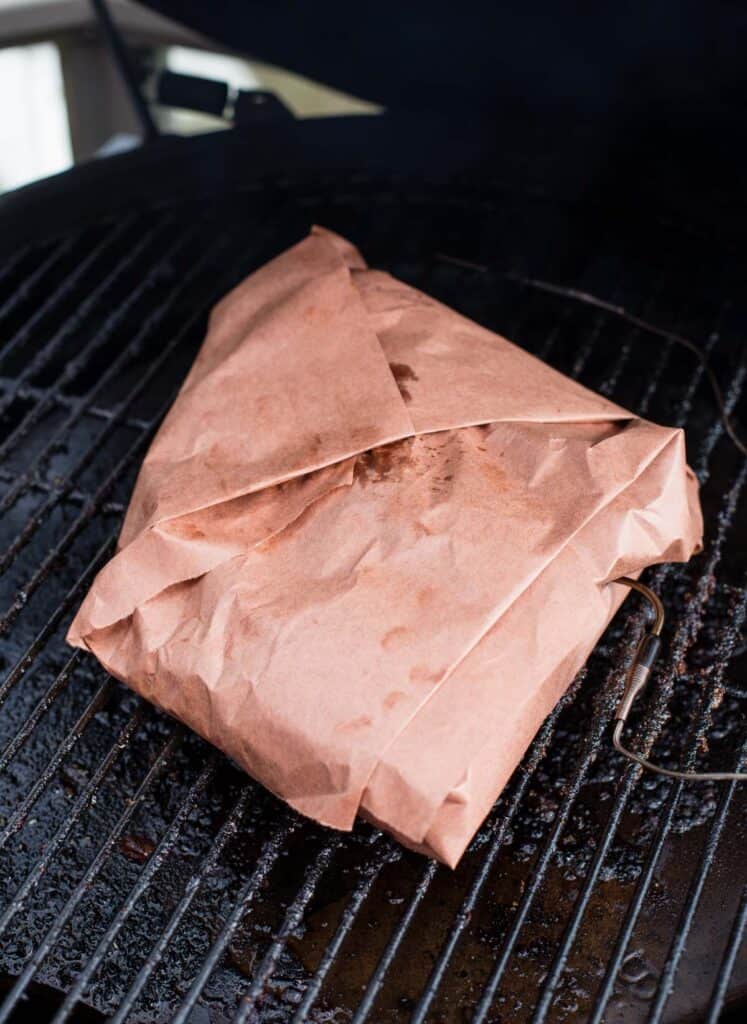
x: 144, y: 878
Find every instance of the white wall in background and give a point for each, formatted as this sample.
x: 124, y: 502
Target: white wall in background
x: 34, y: 130
x: 34, y: 136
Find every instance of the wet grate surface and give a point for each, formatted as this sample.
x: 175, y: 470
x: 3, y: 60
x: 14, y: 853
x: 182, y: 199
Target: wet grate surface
x: 145, y: 879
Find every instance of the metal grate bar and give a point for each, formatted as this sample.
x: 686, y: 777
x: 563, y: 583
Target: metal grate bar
x: 11, y: 264
x: 89, y: 877
x: 293, y: 918
x: 113, y: 417
x: 82, y: 801
x: 656, y: 374
x: 554, y: 334
x: 30, y: 392
x: 100, y: 494
x: 418, y: 895
x: 387, y: 957
x: 74, y: 496
x: 65, y: 288
x: 72, y: 368
x: 226, y: 831
x: 686, y: 637
x: 152, y: 370
x: 638, y: 898
x: 693, y: 898
x: 654, y: 379
x: 27, y: 658
x: 730, y: 403
x: 93, y: 504
x: 591, y: 739
x: 539, y: 871
x: 707, y: 858
x: 633, y: 337
x: 89, y: 510
x: 728, y: 961
x: 30, y: 723
x: 270, y: 853
x: 347, y: 920
x: 588, y: 347
x: 58, y: 685
x: 538, y: 748
x: 439, y: 970
x: 27, y: 287
x: 687, y: 402
x: 97, y: 702
x: 630, y: 779
x: 559, y: 324
x: 463, y: 915
x: 113, y: 930
x: 146, y: 876
x: 99, y: 698
x: 98, y: 412
x: 74, y: 365
x: 350, y: 919
x: 53, y: 393
x: 76, y: 527
x: 501, y: 827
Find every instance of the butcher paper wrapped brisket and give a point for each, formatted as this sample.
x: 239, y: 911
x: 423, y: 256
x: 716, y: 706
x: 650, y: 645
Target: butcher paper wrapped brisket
x: 373, y: 542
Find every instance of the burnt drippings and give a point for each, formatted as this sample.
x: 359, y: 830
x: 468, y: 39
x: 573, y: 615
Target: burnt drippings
x: 403, y: 373
x: 387, y: 463
x: 137, y: 848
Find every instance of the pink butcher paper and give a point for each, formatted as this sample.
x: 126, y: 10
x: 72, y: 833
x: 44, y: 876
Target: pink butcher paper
x: 372, y: 544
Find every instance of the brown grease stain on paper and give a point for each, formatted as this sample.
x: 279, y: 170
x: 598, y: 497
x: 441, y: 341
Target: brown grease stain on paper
x: 403, y: 373
x: 387, y: 463
x: 423, y: 674
x: 361, y: 722
x: 394, y: 637
x: 185, y: 529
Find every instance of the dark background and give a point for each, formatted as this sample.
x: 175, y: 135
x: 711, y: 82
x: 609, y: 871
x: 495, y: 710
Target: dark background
x: 638, y: 108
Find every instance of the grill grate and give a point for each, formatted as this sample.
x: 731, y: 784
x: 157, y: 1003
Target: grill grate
x: 144, y: 878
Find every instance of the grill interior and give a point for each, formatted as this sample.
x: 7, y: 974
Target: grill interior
x: 144, y: 878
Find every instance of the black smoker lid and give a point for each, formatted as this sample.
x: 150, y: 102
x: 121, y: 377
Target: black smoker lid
x: 442, y: 55
x: 636, y: 110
